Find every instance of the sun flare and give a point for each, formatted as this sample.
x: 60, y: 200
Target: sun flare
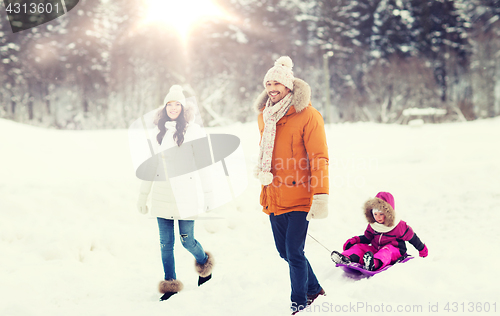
x: 181, y: 14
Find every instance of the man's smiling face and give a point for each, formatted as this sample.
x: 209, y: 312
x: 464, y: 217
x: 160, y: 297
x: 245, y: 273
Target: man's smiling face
x: 276, y: 91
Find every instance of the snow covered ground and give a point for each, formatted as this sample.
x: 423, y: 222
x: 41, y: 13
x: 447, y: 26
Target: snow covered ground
x: 73, y: 243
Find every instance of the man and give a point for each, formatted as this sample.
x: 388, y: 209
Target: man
x: 293, y: 171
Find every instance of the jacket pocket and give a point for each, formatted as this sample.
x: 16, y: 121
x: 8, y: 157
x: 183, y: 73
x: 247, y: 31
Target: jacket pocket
x: 294, y: 190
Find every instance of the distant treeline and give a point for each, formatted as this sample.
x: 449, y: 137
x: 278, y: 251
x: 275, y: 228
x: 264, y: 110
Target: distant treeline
x: 99, y: 66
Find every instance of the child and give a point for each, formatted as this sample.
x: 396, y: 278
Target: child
x: 384, y: 240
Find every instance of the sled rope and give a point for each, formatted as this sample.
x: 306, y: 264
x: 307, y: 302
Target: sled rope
x: 319, y: 242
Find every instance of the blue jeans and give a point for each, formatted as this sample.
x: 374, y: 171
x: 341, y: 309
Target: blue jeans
x: 290, y: 230
x: 167, y: 240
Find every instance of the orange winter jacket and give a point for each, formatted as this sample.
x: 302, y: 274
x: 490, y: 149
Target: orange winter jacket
x: 300, y: 155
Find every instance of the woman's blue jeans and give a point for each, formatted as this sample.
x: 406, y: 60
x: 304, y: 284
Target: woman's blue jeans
x: 290, y: 230
x: 167, y: 240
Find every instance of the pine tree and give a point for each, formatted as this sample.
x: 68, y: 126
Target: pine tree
x: 439, y: 33
x: 485, y: 37
x: 391, y: 30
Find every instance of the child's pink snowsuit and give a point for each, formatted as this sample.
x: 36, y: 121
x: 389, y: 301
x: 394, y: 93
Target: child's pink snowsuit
x: 387, y: 247
x: 388, y: 241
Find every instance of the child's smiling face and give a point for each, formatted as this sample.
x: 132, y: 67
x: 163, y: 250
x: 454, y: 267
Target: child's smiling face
x: 379, y: 216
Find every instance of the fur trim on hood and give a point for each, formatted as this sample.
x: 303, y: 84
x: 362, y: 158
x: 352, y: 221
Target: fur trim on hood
x: 205, y: 269
x: 384, y: 207
x: 166, y: 286
x: 189, y: 111
x: 300, y: 100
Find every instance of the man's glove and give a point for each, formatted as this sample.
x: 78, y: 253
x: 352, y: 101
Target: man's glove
x: 256, y: 171
x: 319, y: 207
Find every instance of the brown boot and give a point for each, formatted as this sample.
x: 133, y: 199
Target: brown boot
x: 311, y: 298
x: 205, y: 270
x: 169, y: 288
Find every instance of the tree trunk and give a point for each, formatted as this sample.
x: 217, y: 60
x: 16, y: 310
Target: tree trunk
x: 13, y: 107
x: 483, y: 75
x: 31, y: 115
x: 46, y: 97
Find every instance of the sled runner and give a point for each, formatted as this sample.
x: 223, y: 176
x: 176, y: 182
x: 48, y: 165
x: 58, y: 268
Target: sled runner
x: 356, y: 271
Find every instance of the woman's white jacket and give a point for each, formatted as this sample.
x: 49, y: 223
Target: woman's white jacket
x: 179, y: 197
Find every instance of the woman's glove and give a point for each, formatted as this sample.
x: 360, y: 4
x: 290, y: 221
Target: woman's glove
x: 209, y: 200
x: 351, y: 242
x: 319, y: 207
x: 143, y: 196
x: 141, y: 203
x: 424, y: 252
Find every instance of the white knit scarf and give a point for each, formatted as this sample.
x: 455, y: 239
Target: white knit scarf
x: 272, y: 114
x: 169, y: 134
x: 381, y: 228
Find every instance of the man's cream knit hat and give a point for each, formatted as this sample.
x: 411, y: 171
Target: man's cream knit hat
x: 281, y: 72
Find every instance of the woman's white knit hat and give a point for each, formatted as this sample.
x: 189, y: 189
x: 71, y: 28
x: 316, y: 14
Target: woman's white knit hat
x: 175, y: 94
x: 281, y: 72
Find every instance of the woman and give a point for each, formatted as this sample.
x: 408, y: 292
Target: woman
x: 175, y: 127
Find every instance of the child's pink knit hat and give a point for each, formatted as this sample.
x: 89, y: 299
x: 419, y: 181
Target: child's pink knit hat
x: 386, y: 196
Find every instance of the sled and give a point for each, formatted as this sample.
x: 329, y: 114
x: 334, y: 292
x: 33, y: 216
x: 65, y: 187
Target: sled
x: 355, y: 270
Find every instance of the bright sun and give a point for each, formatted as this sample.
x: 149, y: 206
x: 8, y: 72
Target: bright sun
x: 181, y: 14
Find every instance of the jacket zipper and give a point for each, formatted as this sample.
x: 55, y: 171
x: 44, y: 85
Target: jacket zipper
x: 379, y: 240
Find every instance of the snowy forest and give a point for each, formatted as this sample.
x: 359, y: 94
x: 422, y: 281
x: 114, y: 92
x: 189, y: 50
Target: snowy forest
x: 100, y: 67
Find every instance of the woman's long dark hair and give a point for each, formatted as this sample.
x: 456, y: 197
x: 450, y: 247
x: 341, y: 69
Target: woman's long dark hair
x: 180, y: 126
